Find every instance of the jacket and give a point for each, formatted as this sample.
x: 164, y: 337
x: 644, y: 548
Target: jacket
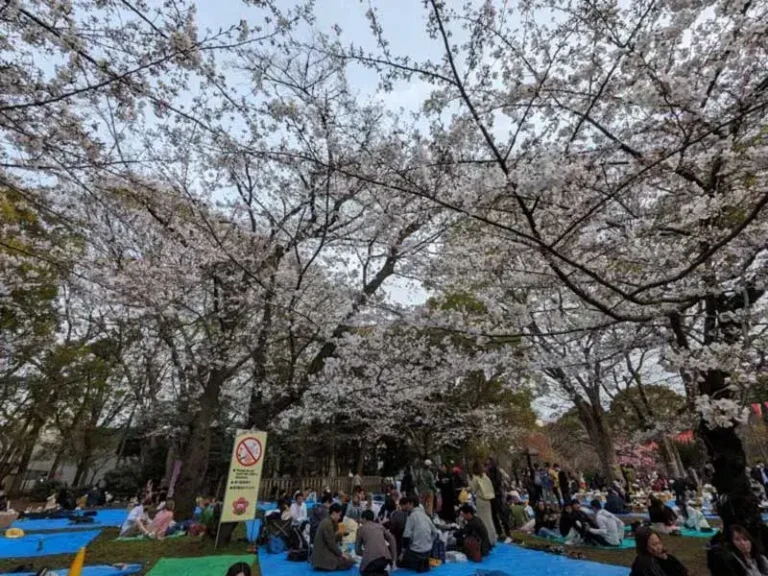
x: 425, y: 481
x: 373, y: 542
x: 646, y: 565
x: 326, y: 554
x: 724, y: 560
x: 477, y: 529
x: 420, y: 531
x: 316, y: 515
x: 609, y: 527
x: 482, y: 487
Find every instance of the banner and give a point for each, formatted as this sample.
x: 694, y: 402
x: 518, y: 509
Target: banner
x: 242, y: 494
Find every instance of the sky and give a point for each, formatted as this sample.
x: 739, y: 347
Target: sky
x: 403, y: 22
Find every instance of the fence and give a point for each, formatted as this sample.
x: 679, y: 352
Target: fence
x: 270, y: 486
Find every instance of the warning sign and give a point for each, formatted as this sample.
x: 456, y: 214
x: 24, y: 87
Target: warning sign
x: 244, y: 476
x: 248, y: 451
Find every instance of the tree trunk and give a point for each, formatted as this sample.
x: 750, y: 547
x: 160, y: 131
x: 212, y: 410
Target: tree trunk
x: 26, y: 458
x: 593, y: 420
x: 667, y: 453
x: 737, y: 504
x: 361, y: 458
x: 195, y: 454
x: 82, y: 469
x: 57, y: 461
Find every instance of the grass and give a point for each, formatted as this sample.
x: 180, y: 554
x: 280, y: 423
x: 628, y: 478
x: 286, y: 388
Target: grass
x: 105, y: 550
x: 690, y: 551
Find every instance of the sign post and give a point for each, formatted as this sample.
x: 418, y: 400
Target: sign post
x: 242, y: 494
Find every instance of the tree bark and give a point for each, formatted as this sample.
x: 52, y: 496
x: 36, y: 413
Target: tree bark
x: 667, y: 452
x: 737, y: 504
x: 593, y: 419
x: 197, y: 449
x: 26, y: 457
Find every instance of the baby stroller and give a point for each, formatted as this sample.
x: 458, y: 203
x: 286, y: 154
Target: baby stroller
x: 275, y: 534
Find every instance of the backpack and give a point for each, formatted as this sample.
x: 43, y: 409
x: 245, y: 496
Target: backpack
x: 472, y: 548
x: 276, y: 545
x: 301, y: 555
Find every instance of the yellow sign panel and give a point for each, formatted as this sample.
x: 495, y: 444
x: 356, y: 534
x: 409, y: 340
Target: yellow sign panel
x: 244, y: 477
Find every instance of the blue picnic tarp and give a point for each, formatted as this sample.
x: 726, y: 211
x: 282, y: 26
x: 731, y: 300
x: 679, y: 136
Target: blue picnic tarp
x: 98, y: 570
x: 103, y: 519
x: 33, y: 545
x: 504, y: 558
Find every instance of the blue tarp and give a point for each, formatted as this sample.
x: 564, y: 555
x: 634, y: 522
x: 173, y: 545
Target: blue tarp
x: 103, y: 519
x: 100, y: 570
x: 32, y: 545
x: 504, y: 557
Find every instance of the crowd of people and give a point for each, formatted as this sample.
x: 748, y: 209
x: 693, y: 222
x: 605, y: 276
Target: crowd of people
x: 433, y: 512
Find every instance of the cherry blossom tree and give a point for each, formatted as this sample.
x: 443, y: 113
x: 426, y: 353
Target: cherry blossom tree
x: 619, y: 146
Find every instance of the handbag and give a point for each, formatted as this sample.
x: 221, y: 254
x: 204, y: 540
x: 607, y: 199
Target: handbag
x: 472, y: 548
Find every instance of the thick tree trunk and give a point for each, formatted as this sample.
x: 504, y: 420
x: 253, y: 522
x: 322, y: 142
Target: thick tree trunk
x: 361, y: 458
x: 667, y: 453
x: 26, y: 458
x: 195, y: 454
x: 593, y: 420
x: 57, y: 461
x: 737, y: 504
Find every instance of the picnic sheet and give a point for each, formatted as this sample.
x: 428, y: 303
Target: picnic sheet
x: 33, y: 545
x: 98, y: 570
x: 504, y: 558
x: 103, y: 519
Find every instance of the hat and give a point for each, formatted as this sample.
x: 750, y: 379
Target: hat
x: 427, y: 462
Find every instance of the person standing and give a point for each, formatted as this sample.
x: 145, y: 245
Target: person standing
x: 406, y: 484
x: 565, y: 487
x: 482, y: 487
x: 499, y: 523
x: 425, y: 486
x: 447, y: 494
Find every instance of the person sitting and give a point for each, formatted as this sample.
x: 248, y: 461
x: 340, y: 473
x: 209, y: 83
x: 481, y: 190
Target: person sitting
x: 318, y: 514
x: 354, y: 510
x: 285, y: 510
x: 737, y: 555
x: 614, y: 503
x: 162, y: 521
x: 376, y: 545
x: 418, y: 537
x: 473, y: 528
x: 652, y: 559
x: 581, y: 521
x: 390, y: 505
x: 663, y: 518
x: 517, y: 515
x: 93, y: 497
x: 609, y: 531
x: 326, y: 553
x: 397, y: 520
x: 239, y: 569
x: 566, y: 527
x: 136, y: 522
x: 546, y: 521
x: 298, y: 509
x: 692, y: 518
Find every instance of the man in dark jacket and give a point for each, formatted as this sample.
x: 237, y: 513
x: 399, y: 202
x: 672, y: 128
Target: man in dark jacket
x: 565, y: 487
x: 474, y: 527
x: 317, y: 514
x: 326, y: 553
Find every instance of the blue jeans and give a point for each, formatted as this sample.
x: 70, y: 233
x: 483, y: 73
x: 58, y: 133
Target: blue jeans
x: 547, y: 533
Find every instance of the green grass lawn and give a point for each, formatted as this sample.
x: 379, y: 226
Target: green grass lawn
x: 105, y: 550
x: 690, y: 551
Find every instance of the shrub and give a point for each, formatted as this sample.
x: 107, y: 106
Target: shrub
x: 123, y: 482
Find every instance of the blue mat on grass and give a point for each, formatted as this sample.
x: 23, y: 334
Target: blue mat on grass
x: 57, y: 543
x: 626, y: 544
x: 103, y: 519
x: 504, y: 557
x: 99, y: 570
